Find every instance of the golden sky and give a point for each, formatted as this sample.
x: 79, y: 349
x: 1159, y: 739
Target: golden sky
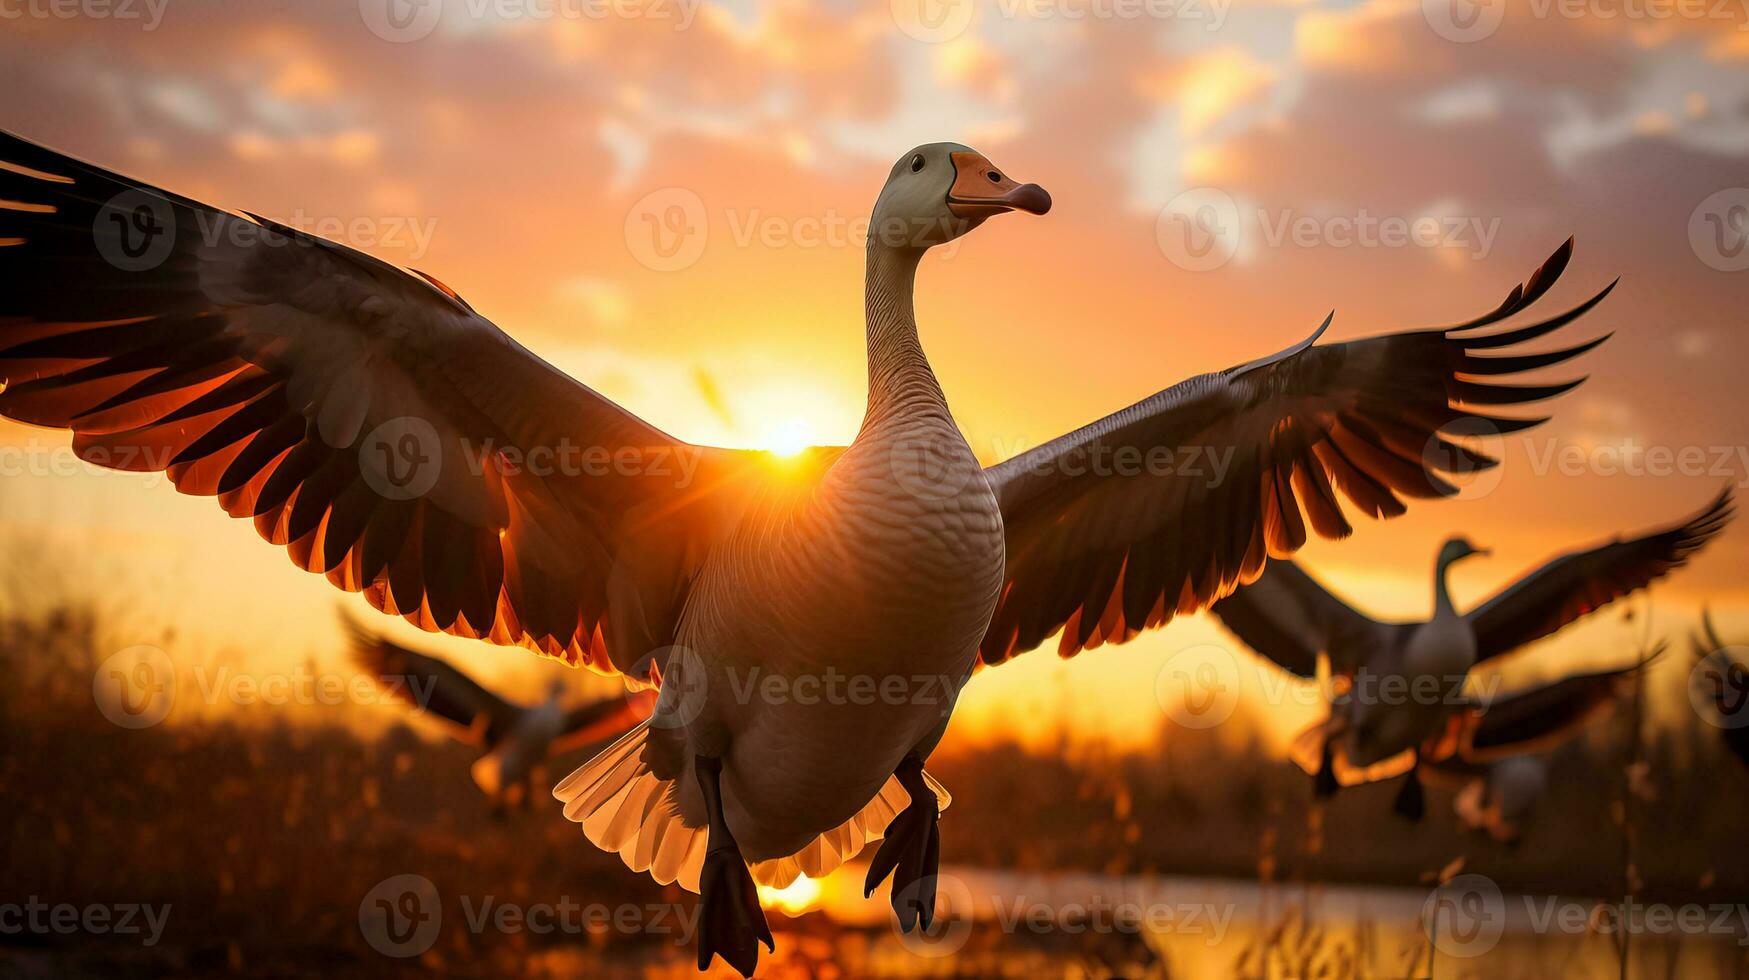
x: 660, y: 196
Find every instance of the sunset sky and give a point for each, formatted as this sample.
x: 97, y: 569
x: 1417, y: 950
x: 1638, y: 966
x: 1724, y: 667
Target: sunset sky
x: 661, y: 197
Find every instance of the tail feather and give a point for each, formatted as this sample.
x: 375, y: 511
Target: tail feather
x: 625, y: 809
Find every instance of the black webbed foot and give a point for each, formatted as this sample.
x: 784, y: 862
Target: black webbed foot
x: 910, y: 852
x: 731, y: 923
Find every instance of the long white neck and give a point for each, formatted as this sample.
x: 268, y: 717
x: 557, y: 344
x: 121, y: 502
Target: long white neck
x: 1441, y: 589
x: 900, y: 384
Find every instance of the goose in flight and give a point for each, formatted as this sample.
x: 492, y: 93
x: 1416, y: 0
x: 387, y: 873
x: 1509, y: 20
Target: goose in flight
x: 1720, y: 687
x: 1496, y: 756
x: 514, y: 739
x: 808, y: 622
x: 1495, y: 799
x: 1398, y: 684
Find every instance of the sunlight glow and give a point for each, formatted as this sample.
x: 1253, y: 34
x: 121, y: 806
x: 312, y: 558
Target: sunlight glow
x: 788, y: 438
x: 792, y: 900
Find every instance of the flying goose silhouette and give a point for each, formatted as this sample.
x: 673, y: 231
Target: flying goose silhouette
x: 513, y: 739
x: 1289, y: 618
x: 369, y: 421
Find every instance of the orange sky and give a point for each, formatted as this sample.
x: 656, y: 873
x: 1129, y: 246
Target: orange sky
x: 523, y: 159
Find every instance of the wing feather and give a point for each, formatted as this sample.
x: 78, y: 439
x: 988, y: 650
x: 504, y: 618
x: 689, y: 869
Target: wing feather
x: 1302, y: 429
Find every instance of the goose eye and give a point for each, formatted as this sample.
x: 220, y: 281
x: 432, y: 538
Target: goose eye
x: 917, y: 163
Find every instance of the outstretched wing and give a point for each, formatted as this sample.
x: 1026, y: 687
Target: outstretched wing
x: 1108, y: 533
x: 1287, y: 616
x: 1541, y: 717
x: 365, y: 418
x: 1581, y: 582
x: 474, y: 714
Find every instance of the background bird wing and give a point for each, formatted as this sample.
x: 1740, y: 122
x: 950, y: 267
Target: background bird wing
x: 1289, y: 617
x: 598, y: 721
x: 1581, y: 582
x: 1538, y: 718
x: 475, y: 715
x: 1108, y: 533
x: 363, y: 417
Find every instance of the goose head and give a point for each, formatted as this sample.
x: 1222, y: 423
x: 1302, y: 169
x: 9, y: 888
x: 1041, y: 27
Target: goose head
x: 1458, y: 548
x: 939, y: 191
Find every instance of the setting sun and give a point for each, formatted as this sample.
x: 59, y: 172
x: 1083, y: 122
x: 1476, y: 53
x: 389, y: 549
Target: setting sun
x: 793, y: 899
x: 787, y: 438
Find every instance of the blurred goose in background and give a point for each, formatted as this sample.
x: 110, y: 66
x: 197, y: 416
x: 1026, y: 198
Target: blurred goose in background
x: 1373, y: 733
x: 1497, y: 759
x: 1496, y: 799
x: 514, y: 739
x: 369, y: 421
x: 1722, y: 677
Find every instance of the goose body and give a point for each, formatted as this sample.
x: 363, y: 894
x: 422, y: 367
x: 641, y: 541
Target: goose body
x: 288, y: 377
x: 803, y: 751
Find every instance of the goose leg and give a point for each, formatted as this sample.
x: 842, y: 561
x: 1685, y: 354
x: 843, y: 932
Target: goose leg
x: 1411, y: 802
x: 1324, y: 784
x: 730, y: 924
x: 911, y: 851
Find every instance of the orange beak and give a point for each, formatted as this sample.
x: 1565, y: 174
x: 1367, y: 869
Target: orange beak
x: 980, y: 190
